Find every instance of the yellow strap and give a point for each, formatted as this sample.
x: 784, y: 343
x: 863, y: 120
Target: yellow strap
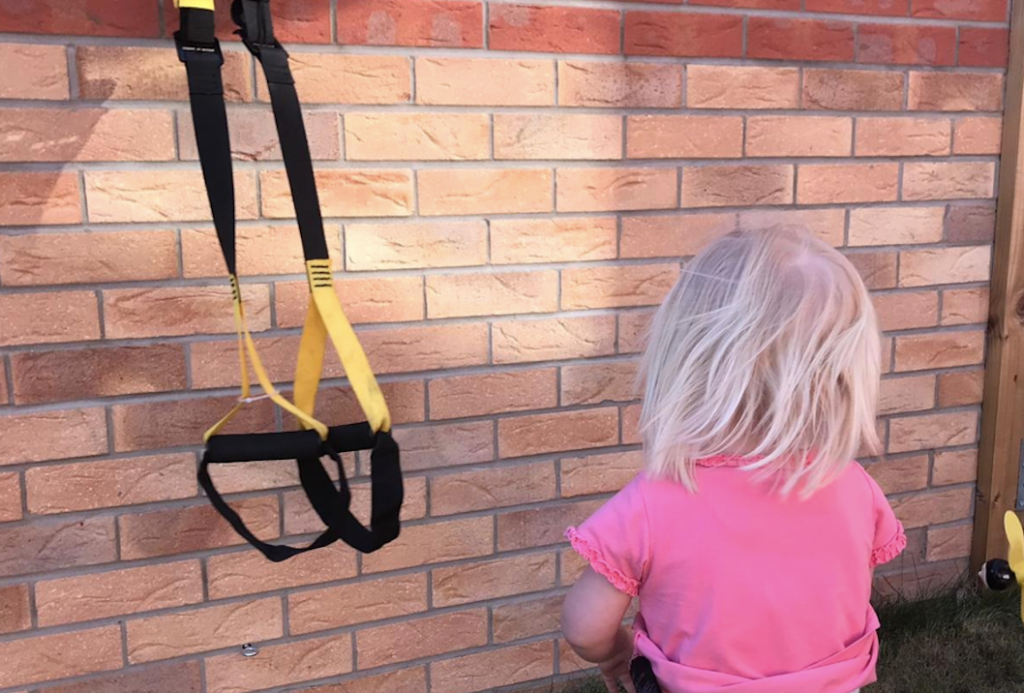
x: 310, y: 363
x: 194, y: 4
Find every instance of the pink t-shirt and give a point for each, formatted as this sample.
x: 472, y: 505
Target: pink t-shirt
x: 742, y: 590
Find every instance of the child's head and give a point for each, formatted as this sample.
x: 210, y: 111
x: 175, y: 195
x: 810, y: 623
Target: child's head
x: 767, y: 347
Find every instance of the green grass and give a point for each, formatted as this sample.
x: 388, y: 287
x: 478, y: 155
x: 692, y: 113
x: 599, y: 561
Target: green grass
x: 958, y: 642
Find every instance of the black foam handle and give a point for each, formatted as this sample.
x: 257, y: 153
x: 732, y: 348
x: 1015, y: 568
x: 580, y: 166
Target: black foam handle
x: 263, y: 447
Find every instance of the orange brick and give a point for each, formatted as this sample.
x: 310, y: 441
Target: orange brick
x: 978, y: 136
x: 896, y: 225
x: 798, y: 136
x: 439, y: 542
x: 484, y: 82
x: 282, y: 664
x: 15, y: 610
x: 948, y: 180
x: 852, y: 90
x: 492, y: 488
x: 301, y: 518
x: 560, y: 432
x: 417, y: 136
x: 158, y: 312
x: 832, y: 183
x: 619, y: 85
x: 683, y: 35
x: 10, y: 510
x: 423, y: 637
x: 526, y: 618
x: 496, y: 667
x: 933, y: 507
x: 482, y: 580
x: 248, y: 572
x: 547, y: 136
x: 684, y: 137
x: 965, y: 306
x: 492, y: 393
x: 353, y: 603
x: 34, y: 72
x: 955, y: 91
x: 596, y: 383
x: 907, y: 310
x: 573, y: 566
x: 261, y: 476
x: 110, y: 483
x: 601, y: 189
x: 194, y: 528
x: 827, y: 224
x: 945, y: 266
x: 735, y: 186
x: 527, y: 529
x: 404, y: 23
x: 254, y: 136
x: 175, y: 677
x: 348, y: 193
x: 955, y: 467
x: 150, y: 74
x: 31, y: 660
x: 207, y: 628
x: 158, y: 196
x: 939, y: 350
x: 672, y: 236
x: 961, y: 388
x: 426, y: 348
x: 748, y: 88
x: 553, y: 29
x: 570, y: 239
x: 799, y: 39
x: 88, y: 134
x: 155, y: 425
x: 505, y: 293
x: 903, y: 136
x: 406, y: 400
x: 31, y: 199
x: 215, y: 363
x: 119, y: 592
x: 47, y: 546
x: 347, y: 79
x: 415, y: 245
x: 569, y: 661
x: 521, y: 341
x: 608, y: 473
x: 47, y: 318
x: 617, y: 287
x: 412, y: 680
x: 365, y: 300
x: 30, y: 437
x: 631, y: 425
x: 484, y: 191
x: 898, y: 475
x: 932, y: 431
x: 949, y: 542
x: 4, y: 394
x: 900, y: 395
x: 260, y: 250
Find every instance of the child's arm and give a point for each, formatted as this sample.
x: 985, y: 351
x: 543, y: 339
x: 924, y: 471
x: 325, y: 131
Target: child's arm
x: 592, y: 624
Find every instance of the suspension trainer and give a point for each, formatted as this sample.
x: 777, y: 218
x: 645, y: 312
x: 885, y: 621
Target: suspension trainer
x: 200, y: 51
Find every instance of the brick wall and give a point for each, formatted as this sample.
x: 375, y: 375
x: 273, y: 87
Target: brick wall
x: 509, y: 190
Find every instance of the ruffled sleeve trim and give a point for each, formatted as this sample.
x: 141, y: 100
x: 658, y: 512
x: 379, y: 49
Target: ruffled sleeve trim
x: 890, y: 550
x: 593, y: 556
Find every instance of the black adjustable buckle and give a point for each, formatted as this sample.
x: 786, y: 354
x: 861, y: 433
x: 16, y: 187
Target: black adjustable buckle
x: 255, y: 24
x: 189, y: 50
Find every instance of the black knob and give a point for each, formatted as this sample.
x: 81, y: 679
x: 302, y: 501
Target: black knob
x: 996, y: 575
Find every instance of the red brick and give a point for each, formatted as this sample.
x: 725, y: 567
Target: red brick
x: 799, y: 39
x: 684, y: 35
x: 573, y: 239
x: 893, y: 8
x: 417, y: 136
x: 607, y: 473
x: 949, y: 542
x: 896, y: 225
x: 447, y: 23
x: 505, y: 293
x: 609, y: 189
x: 903, y: 136
x: 176, y: 677
x: 484, y: 82
x: 790, y: 5
x: 984, y: 47
x: 941, y: 350
x: 523, y: 341
x: 832, y: 183
x: 82, y: 17
x: 423, y: 637
x: 354, y: 603
x: 852, y: 90
x: 948, y: 180
x: 478, y: 581
x: 961, y: 388
x: 34, y: 72
x: 933, y: 507
x: 907, y: 311
x: 463, y: 492
x: 86, y: 134
x: 543, y: 433
x: 779, y: 136
x: 439, y: 542
x: 955, y: 467
x: 202, y: 629
x: 526, y: 618
x: 281, y: 664
x: 965, y: 306
x: 349, y: 79
x: 684, y: 137
x: 484, y: 191
x: 901, y: 395
x: 752, y: 88
x: 10, y: 502
x: 672, y: 236
x: 429, y: 348
x: 302, y: 21
x: 596, y: 383
x: 898, y: 475
x: 47, y: 318
x: 945, y: 266
x: 364, y: 300
x: 444, y: 445
x: 30, y: 199
x: 33, y: 660
x: 974, y: 10
x: 159, y: 196
x: 734, y: 186
x: 159, y: 312
x: 619, y: 85
x: 564, y: 137
x: 553, y: 29
x: 932, y: 431
x: 30, y: 437
x: 527, y: 529
x: 155, y: 425
x: 970, y: 223
x: 496, y: 667
x: 978, y: 136
x: 492, y: 393
x: 15, y: 610
x: 617, y: 287
x: 897, y: 44
x: 415, y: 245
x: 955, y: 91
x: 348, y: 193
x: 254, y: 136
x: 42, y: 547
x: 110, y: 483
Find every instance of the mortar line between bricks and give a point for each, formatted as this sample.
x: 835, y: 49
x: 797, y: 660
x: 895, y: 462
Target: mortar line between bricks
x: 74, y: 89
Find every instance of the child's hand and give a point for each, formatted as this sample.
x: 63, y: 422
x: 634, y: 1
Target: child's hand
x: 615, y: 669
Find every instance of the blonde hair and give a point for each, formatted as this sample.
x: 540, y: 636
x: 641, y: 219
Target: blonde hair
x: 767, y: 347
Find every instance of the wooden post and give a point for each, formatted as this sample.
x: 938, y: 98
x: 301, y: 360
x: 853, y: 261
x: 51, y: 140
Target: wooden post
x: 1002, y: 422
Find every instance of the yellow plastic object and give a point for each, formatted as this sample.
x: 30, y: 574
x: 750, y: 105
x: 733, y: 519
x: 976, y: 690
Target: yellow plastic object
x: 194, y: 4
x: 1015, y: 535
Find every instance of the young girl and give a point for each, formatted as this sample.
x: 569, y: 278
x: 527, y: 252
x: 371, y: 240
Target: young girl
x: 751, y: 537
